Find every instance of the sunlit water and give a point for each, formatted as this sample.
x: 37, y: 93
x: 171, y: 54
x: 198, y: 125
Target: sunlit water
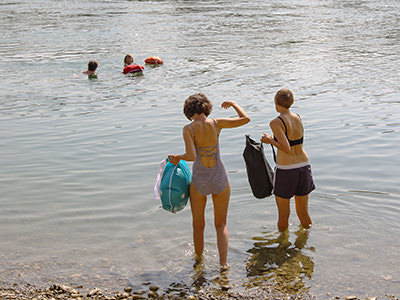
x: 79, y: 157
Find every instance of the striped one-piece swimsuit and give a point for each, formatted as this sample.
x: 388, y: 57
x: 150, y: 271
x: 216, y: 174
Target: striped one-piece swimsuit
x: 209, y: 180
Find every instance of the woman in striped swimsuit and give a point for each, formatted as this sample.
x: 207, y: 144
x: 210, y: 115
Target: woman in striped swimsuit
x: 209, y: 174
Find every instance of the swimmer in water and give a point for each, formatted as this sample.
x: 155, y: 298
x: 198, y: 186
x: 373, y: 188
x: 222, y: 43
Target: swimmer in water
x: 91, y: 70
x: 128, y: 60
x: 129, y: 67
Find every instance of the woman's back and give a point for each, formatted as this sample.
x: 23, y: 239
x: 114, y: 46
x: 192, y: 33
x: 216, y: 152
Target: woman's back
x: 209, y: 176
x: 205, y: 136
x: 292, y: 126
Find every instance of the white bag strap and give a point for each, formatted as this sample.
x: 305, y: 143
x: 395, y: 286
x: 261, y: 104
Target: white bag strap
x: 157, y: 190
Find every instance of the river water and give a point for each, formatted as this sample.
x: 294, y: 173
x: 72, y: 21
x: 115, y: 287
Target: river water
x: 79, y: 157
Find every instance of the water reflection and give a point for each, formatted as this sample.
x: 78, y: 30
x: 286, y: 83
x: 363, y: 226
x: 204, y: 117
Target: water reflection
x: 274, y: 261
x: 200, y: 280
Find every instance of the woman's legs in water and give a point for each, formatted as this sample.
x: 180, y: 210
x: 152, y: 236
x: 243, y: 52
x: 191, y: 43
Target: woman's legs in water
x: 302, y: 210
x: 283, y: 205
x: 221, y: 202
x: 197, y: 206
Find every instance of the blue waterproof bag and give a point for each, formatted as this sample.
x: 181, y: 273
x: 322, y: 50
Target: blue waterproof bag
x: 175, y: 185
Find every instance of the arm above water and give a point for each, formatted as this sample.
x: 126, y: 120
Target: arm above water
x: 233, y: 122
x: 190, y: 150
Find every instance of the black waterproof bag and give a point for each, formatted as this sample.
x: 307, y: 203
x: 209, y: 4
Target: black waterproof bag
x: 259, y: 172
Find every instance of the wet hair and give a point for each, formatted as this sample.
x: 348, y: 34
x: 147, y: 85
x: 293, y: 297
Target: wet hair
x: 128, y: 56
x: 92, y: 65
x: 197, y: 104
x: 284, y: 98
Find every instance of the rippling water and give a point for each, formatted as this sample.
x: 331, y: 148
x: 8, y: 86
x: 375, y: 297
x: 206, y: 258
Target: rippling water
x: 79, y: 157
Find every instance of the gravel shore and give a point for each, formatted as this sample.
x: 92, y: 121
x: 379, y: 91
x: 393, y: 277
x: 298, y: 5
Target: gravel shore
x: 64, y: 292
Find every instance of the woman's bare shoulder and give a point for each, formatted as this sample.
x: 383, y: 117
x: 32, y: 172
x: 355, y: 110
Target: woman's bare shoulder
x: 276, y: 121
x: 187, y: 127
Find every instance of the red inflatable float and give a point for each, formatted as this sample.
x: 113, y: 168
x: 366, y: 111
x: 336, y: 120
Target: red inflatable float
x: 133, y: 69
x: 153, y: 60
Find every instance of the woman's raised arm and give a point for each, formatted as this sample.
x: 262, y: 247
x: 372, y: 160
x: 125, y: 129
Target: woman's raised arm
x: 233, y: 122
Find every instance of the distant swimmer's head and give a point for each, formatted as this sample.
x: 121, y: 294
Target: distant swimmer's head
x: 128, y: 60
x: 197, y: 104
x: 284, y: 98
x: 92, y: 65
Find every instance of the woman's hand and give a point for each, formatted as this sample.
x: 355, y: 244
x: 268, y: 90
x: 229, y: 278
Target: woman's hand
x: 227, y: 104
x: 266, y: 138
x: 174, y: 159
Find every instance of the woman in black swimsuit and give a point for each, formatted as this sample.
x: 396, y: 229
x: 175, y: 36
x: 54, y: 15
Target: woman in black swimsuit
x: 292, y: 172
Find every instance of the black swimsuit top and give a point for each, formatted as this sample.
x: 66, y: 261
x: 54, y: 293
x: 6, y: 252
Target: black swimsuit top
x: 291, y: 142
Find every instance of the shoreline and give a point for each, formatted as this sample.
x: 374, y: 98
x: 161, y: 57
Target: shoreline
x: 66, y: 292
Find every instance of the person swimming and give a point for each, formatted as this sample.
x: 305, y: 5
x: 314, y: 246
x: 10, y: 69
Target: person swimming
x: 129, y: 67
x: 91, y: 70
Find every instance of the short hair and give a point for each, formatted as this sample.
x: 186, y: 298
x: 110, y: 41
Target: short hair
x: 197, y: 104
x: 92, y: 65
x: 284, y: 98
x: 126, y: 58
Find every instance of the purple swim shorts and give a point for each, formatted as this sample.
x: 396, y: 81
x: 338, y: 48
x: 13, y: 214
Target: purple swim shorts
x: 288, y: 183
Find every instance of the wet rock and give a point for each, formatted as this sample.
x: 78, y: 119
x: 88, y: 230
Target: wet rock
x: 351, y: 298
x: 191, y: 297
x: 95, y: 292
x: 182, y: 293
x: 137, y: 296
x: 225, y: 288
x: 128, y: 290
x: 152, y: 294
x: 154, y: 288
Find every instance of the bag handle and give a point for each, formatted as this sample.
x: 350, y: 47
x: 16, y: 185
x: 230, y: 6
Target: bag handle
x: 249, y: 141
x: 273, y: 151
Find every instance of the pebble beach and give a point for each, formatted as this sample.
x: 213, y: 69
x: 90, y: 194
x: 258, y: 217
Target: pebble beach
x: 64, y: 292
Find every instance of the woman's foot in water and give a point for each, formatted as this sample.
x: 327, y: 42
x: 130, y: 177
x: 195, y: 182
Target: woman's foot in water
x: 224, y: 268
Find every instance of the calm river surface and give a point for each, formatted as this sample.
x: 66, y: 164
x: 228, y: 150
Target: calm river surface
x: 79, y: 157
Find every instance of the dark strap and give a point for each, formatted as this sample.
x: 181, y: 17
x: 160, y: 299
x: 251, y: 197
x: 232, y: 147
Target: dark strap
x: 283, y: 124
x: 291, y: 142
x: 273, y: 151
